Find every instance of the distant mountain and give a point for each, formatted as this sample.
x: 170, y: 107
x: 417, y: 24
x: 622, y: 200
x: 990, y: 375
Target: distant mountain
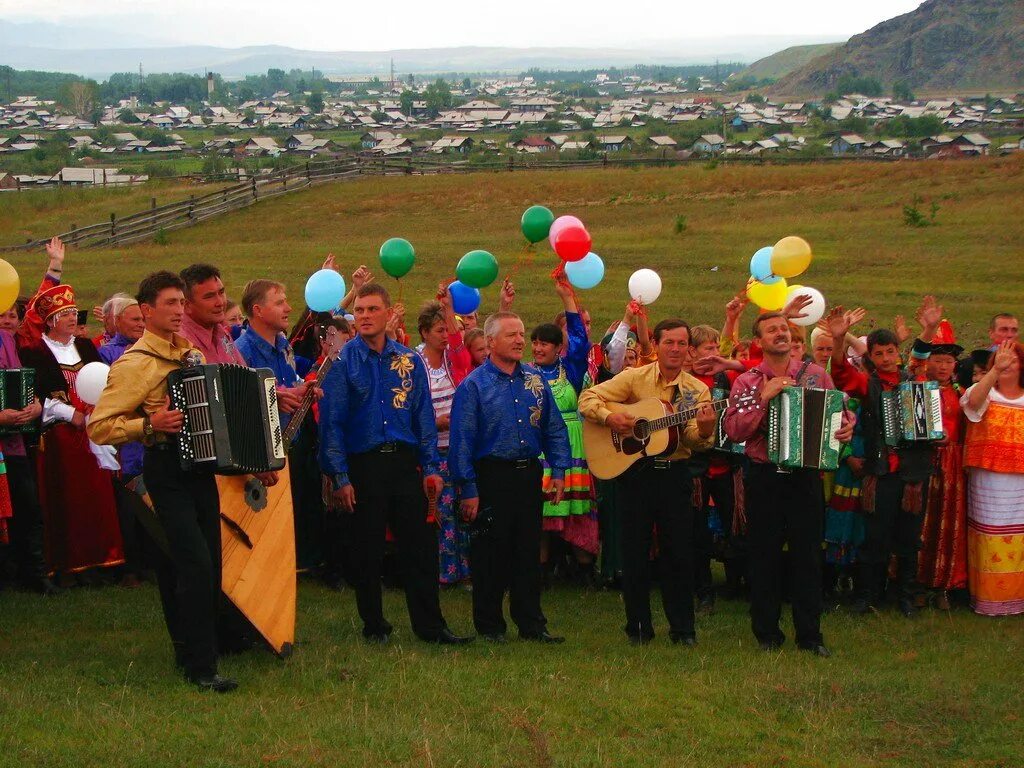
x: 783, y: 62
x: 944, y: 45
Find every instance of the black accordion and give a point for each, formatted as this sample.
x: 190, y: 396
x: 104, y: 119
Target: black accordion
x: 17, y: 391
x: 231, y: 424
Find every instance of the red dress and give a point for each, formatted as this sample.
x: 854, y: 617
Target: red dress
x: 942, y: 561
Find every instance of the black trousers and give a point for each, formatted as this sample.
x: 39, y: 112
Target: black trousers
x: 504, y: 546
x: 654, y: 496
x: 723, y: 491
x: 389, y: 492
x: 889, y: 530
x: 188, y: 507
x: 26, y: 526
x: 784, y: 508
x: 307, y: 498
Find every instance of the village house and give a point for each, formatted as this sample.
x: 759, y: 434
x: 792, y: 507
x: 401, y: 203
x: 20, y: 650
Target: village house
x: 617, y: 143
x: 534, y: 144
x: 708, y: 144
x: 848, y: 144
x: 448, y: 144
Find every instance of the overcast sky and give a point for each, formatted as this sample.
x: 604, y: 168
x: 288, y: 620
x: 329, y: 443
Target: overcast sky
x: 334, y: 25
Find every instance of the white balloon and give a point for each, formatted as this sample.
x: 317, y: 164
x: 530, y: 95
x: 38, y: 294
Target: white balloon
x: 645, y: 286
x: 813, y: 311
x: 91, y: 381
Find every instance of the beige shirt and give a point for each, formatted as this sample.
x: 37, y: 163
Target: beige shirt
x: 635, y: 384
x: 137, y: 387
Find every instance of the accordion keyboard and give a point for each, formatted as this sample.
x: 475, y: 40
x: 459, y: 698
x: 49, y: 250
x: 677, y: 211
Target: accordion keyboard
x: 200, y: 425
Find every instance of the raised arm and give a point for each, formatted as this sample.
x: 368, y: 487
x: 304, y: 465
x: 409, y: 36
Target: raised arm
x: 359, y: 278
x: 731, y: 326
x: 977, y: 396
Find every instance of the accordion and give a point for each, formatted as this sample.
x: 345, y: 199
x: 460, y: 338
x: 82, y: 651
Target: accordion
x: 722, y: 441
x: 17, y: 390
x: 912, y: 412
x: 231, y: 425
x: 802, y: 424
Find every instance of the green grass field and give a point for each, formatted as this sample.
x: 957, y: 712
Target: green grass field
x: 86, y: 679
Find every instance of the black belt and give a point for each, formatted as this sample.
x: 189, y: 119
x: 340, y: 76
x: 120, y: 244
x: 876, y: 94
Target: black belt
x: 661, y: 464
x: 393, y: 447
x: 162, y: 447
x: 510, y: 463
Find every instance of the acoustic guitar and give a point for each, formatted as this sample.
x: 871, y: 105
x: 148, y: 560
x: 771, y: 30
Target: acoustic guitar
x: 657, y: 432
x: 258, y: 541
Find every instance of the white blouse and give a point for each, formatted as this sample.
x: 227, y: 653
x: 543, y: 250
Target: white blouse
x: 993, y: 397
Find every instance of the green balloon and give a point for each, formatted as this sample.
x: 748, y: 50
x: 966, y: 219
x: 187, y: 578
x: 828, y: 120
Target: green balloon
x: 397, y: 257
x: 536, y: 223
x: 477, y: 269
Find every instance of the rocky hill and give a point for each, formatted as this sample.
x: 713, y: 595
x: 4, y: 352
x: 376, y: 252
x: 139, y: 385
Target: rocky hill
x: 783, y: 62
x: 943, y: 45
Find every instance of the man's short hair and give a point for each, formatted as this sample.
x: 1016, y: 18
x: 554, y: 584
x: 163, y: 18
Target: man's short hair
x: 255, y: 292
x: 670, y: 324
x: 756, y: 328
x: 155, y: 282
x: 109, y: 304
x: 492, y: 323
x: 703, y: 334
x: 881, y: 337
x: 374, y: 289
x: 549, y: 333
x: 430, y: 315
x: 1001, y: 316
x: 120, y: 305
x: 195, y: 274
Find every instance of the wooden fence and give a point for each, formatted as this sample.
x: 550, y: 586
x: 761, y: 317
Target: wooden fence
x: 186, y: 213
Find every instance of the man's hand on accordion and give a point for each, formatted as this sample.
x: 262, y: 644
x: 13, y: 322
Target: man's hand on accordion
x: 12, y: 418
x: 774, y: 386
x: 268, y: 479
x: 289, y: 398
x: 845, y: 433
x: 167, y: 420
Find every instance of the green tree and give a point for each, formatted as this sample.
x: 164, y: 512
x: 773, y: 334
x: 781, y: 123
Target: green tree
x: 406, y: 101
x: 901, y: 91
x: 315, y: 102
x: 693, y: 84
x: 438, y: 96
x: 466, y: 84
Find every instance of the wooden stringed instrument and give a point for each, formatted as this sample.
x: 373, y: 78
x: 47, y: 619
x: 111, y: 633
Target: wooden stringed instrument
x: 657, y: 432
x: 258, y: 541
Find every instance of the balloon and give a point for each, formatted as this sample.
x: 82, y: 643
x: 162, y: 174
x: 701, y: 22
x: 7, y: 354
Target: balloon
x: 477, y: 269
x: 324, y: 290
x: 397, y: 257
x: 761, y: 266
x: 790, y: 256
x: 559, y: 224
x: 536, y: 223
x: 10, y: 285
x: 645, y: 286
x: 585, y: 273
x: 814, y: 311
x: 572, y: 243
x: 770, y: 297
x: 465, y: 299
x: 91, y: 381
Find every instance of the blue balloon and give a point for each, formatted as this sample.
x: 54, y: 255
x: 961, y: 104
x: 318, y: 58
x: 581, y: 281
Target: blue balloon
x: 325, y: 290
x: 465, y: 300
x: 761, y: 266
x: 585, y: 273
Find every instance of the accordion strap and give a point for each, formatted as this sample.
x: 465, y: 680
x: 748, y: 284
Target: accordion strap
x: 802, y: 371
x: 181, y: 363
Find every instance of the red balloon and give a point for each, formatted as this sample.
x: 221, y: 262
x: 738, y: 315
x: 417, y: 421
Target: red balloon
x: 572, y: 243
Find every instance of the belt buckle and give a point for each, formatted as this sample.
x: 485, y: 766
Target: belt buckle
x: 387, y: 448
x: 662, y: 464
x: 522, y: 463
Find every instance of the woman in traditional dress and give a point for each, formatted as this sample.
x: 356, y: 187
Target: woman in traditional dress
x: 942, y: 560
x: 76, y: 489
x: 844, y: 523
x: 447, y: 363
x: 994, y: 457
x: 562, y: 360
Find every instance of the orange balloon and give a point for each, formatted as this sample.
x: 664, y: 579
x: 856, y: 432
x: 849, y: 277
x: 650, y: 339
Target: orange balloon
x: 10, y: 285
x: 791, y: 256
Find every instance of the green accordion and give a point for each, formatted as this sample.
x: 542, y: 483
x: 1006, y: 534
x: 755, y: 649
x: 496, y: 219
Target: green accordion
x: 802, y: 426
x: 722, y: 441
x: 912, y: 413
x: 17, y: 390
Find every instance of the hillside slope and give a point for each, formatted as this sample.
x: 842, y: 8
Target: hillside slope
x: 783, y: 62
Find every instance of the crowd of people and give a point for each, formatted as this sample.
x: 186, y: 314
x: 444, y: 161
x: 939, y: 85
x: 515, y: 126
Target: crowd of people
x: 435, y: 457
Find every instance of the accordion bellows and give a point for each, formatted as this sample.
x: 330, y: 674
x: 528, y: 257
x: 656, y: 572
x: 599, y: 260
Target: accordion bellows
x: 912, y: 412
x: 231, y: 424
x: 17, y: 390
x: 802, y: 424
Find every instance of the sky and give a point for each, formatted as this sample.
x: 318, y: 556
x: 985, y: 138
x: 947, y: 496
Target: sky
x: 331, y: 25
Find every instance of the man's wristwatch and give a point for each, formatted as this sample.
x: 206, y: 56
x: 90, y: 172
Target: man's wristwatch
x: 147, y: 427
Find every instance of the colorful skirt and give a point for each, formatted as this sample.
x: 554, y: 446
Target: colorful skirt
x: 942, y: 561
x: 574, y: 518
x: 452, y: 538
x: 844, y: 525
x: 995, y: 542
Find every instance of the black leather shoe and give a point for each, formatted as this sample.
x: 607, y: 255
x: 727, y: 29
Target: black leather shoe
x: 498, y: 638
x: 907, y: 607
x: 640, y: 639
x: 769, y: 645
x: 688, y: 640
x: 706, y: 606
x: 447, y: 637
x: 43, y: 586
x: 378, y: 638
x: 862, y: 607
x: 215, y: 683
x: 817, y: 649
x: 544, y: 637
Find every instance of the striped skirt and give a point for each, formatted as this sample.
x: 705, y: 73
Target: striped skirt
x: 995, y: 542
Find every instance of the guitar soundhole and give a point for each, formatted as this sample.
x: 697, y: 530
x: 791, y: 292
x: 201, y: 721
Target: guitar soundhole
x: 255, y: 495
x: 641, y: 430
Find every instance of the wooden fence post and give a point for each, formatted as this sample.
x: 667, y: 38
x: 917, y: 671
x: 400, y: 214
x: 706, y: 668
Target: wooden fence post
x: 113, y: 226
x: 255, y: 196
x: 309, y: 179
x: 152, y: 203
x: 191, y: 206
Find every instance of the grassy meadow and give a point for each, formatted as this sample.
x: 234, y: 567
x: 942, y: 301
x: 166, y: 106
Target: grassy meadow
x: 86, y: 679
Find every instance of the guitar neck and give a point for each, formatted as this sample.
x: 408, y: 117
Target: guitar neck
x: 681, y: 417
x: 307, y: 401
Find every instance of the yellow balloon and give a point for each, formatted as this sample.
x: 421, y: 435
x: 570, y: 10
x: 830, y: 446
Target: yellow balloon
x: 10, y: 285
x: 790, y: 256
x: 771, y: 297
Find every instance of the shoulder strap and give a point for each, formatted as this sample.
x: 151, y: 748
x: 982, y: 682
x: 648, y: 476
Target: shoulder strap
x: 802, y: 371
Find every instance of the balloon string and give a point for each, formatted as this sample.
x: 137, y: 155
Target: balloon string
x: 399, y: 281
x: 526, y: 252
